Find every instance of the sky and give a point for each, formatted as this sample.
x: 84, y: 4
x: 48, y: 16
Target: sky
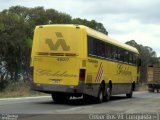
x: 124, y: 20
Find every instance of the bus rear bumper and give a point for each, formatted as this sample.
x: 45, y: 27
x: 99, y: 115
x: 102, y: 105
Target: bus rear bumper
x: 46, y: 88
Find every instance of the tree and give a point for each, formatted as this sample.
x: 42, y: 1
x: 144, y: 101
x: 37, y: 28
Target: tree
x: 13, y: 37
x: 92, y: 24
x: 148, y: 57
x: 16, y: 30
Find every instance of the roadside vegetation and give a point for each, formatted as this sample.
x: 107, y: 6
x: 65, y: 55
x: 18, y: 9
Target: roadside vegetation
x: 16, y: 33
x: 19, y: 89
x: 143, y: 87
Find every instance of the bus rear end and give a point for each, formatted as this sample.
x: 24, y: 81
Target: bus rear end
x: 57, y: 55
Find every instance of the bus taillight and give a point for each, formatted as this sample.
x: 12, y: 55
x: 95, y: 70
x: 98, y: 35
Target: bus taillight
x: 82, y: 74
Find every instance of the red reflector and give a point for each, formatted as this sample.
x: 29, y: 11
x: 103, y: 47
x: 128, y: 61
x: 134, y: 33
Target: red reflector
x: 82, y: 74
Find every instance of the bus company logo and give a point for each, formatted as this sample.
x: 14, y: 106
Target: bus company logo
x: 121, y: 69
x: 60, y: 42
x: 42, y: 72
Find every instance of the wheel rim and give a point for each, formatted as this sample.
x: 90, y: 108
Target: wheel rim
x: 108, y: 93
x: 100, y: 96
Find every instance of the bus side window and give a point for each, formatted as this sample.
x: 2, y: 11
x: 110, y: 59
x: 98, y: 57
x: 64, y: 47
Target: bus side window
x: 117, y: 53
x: 134, y: 59
x: 97, y: 48
x: 103, y: 49
x: 121, y: 55
x: 108, y: 51
x: 131, y: 58
x: 114, y: 52
x: 126, y: 56
x: 94, y: 46
x: 100, y: 48
x: 90, y: 46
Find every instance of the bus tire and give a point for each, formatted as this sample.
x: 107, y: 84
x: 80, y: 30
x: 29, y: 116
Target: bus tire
x: 60, y: 97
x: 130, y: 94
x: 100, y: 97
x: 151, y: 90
x: 87, y: 98
x: 108, y: 94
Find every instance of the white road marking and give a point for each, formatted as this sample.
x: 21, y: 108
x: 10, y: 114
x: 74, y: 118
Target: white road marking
x: 21, y: 98
x: 5, y: 101
x: 75, y: 108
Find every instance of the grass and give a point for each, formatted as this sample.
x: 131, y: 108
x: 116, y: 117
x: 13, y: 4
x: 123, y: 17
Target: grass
x: 19, y: 89
x: 22, y: 89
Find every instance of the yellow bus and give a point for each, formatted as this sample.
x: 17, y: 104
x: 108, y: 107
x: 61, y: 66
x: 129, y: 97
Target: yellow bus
x: 74, y: 60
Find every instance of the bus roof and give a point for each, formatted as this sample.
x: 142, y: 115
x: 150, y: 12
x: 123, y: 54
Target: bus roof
x: 108, y: 39
x: 98, y: 35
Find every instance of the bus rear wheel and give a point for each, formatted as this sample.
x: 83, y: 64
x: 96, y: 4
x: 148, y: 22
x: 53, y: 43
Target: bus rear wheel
x: 60, y: 97
x: 100, y: 97
x: 151, y: 90
x: 108, y: 94
x: 130, y: 94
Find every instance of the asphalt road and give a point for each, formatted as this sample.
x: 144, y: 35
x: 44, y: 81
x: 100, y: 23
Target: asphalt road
x: 142, y: 102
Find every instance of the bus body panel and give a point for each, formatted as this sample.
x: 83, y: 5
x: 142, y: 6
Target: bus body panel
x: 121, y: 75
x: 56, y: 70
x: 57, y: 55
x: 117, y: 72
x: 58, y: 40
